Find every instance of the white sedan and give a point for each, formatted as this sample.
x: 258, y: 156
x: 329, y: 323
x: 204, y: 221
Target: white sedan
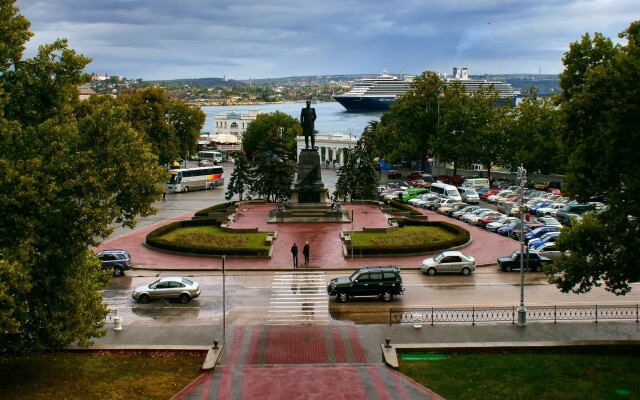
x: 449, y: 261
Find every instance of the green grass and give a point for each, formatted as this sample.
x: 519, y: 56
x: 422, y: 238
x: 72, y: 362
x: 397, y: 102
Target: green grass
x: 213, y: 237
x: 529, y: 376
x: 407, y: 236
x: 142, y: 375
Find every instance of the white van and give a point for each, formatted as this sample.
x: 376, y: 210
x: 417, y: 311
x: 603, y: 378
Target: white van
x: 443, y: 189
x: 476, y: 183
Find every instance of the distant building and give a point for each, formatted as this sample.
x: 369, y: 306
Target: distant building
x: 234, y: 123
x: 85, y: 91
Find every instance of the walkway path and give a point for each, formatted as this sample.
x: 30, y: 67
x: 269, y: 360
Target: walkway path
x: 324, y: 238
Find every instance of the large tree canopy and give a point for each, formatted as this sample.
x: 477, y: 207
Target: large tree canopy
x: 601, y: 104
x: 68, y: 172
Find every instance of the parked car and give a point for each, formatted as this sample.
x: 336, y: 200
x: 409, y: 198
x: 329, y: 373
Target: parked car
x: 415, y: 175
x: 549, y: 237
x: 469, y: 195
x: 539, y: 231
x: 449, y: 261
x: 170, y: 287
x: 564, y: 215
x: 487, y: 219
x: 548, y: 250
x: 535, y: 261
x: 384, y: 282
x: 119, y: 260
x: 452, y: 180
x: 494, y: 226
x: 394, y: 174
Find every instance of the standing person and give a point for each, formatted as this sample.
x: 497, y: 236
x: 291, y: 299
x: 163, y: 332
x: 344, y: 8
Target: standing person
x: 305, y: 251
x: 294, y: 251
x: 307, y: 120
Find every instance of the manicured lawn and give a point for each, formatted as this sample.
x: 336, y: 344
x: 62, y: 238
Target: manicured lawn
x: 529, y: 376
x: 407, y: 236
x: 98, y: 376
x: 214, y: 237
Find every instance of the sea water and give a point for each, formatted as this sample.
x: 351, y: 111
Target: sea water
x: 331, y: 116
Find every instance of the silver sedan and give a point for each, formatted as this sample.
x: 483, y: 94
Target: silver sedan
x: 449, y: 261
x: 170, y: 287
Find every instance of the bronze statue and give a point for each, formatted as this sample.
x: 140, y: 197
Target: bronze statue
x: 307, y: 118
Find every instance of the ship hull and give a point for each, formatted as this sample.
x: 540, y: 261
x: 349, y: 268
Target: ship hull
x: 365, y: 103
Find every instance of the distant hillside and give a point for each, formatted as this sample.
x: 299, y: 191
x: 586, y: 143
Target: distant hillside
x: 545, y: 84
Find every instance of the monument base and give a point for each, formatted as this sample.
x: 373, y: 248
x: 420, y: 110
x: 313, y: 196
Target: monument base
x: 308, y: 213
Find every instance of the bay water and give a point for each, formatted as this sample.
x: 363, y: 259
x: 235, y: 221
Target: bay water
x: 331, y: 116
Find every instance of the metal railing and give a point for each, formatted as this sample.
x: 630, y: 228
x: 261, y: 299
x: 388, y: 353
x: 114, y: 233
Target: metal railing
x: 475, y: 315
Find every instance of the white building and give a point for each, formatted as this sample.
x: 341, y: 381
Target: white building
x: 234, y: 122
x: 331, y: 147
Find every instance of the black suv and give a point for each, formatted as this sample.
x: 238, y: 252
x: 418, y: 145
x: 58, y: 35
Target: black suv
x: 384, y: 282
x: 118, y: 260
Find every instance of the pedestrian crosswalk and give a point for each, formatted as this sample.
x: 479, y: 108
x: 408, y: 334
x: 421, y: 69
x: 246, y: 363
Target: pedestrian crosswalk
x: 298, y: 298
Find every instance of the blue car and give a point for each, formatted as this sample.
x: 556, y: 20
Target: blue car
x: 546, y: 238
x: 538, y: 232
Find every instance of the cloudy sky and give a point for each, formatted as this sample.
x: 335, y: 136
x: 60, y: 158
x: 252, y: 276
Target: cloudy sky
x: 162, y: 39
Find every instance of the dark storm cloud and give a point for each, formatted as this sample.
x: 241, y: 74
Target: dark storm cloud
x: 162, y: 39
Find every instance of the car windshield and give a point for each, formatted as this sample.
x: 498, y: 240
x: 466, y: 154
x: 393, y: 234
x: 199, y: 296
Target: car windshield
x: 353, y: 276
x: 438, y: 257
x: 154, y: 283
x: 452, y: 192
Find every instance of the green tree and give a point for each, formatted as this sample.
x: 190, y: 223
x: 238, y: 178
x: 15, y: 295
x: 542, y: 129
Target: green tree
x: 357, y: 178
x: 274, y: 132
x: 534, y: 135
x: 240, y: 179
x: 405, y: 132
x: 601, y: 103
x: 455, y: 135
x: 68, y: 173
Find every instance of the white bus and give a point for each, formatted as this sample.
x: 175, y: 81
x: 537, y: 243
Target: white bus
x: 187, y: 179
x: 443, y: 189
x: 210, y: 155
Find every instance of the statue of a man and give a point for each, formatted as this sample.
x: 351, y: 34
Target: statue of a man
x: 307, y: 118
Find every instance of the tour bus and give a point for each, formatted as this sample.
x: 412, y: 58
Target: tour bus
x: 210, y: 155
x: 443, y: 189
x: 187, y: 179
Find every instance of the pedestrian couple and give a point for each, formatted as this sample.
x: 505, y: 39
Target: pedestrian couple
x: 305, y: 252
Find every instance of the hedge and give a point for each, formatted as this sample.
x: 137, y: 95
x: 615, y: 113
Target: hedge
x: 216, y: 208
x: 462, y: 236
x: 154, y: 239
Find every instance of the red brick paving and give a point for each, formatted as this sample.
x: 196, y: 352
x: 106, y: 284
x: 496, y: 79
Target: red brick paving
x: 324, y: 239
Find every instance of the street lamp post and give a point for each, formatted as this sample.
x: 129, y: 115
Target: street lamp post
x: 522, y: 181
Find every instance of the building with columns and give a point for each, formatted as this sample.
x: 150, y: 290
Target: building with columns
x: 332, y: 148
x: 234, y: 123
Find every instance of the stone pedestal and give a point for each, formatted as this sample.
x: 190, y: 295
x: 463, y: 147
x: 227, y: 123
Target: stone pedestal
x: 310, y: 200
x: 308, y: 187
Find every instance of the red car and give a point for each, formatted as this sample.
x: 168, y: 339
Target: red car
x: 489, y: 192
x: 452, y: 180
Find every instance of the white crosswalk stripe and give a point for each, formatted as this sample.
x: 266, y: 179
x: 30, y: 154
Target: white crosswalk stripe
x: 299, y: 298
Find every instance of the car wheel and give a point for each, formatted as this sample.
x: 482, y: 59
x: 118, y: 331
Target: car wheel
x: 185, y: 189
x: 508, y: 268
x: 144, y: 298
x: 466, y: 271
x: 118, y: 271
x: 185, y: 298
x: 386, y: 296
x: 538, y: 268
x: 210, y: 186
x: 431, y: 271
x: 343, y: 297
